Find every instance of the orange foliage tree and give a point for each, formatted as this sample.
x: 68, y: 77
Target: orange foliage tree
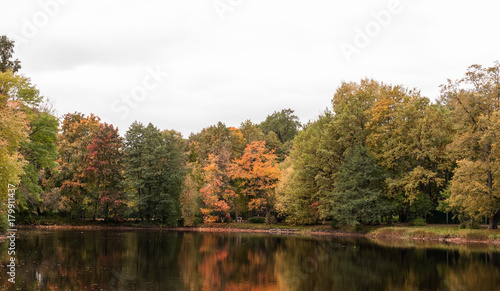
x: 256, y: 173
x: 215, y: 194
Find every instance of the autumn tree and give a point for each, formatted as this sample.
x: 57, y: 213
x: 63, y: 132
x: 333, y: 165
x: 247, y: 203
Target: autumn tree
x: 257, y: 173
x: 77, y: 133
x: 212, y: 150
x: 409, y: 137
x: 39, y: 150
x: 13, y: 132
x: 475, y: 103
x: 22, y: 103
x: 104, y: 173
x: 189, y: 198
x: 216, y: 193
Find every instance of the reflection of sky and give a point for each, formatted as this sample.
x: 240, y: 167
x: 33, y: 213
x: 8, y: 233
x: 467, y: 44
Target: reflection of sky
x: 259, y: 57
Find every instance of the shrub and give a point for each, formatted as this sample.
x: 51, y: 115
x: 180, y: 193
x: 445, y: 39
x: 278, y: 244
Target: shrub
x: 257, y: 219
x: 419, y: 221
x: 334, y: 224
x: 270, y: 220
x: 469, y: 224
x: 475, y: 235
x: 198, y: 220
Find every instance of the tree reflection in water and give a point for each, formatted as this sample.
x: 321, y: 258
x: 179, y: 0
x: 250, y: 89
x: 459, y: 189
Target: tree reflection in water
x: 160, y: 260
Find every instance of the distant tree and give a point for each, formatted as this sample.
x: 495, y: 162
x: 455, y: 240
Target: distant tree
x: 218, y: 140
x: 6, y: 51
x: 284, y: 123
x: 251, y: 132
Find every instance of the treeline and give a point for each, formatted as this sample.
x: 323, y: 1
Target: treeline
x: 381, y: 151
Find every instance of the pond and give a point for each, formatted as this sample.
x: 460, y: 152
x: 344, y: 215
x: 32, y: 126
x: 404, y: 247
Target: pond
x: 169, y: 260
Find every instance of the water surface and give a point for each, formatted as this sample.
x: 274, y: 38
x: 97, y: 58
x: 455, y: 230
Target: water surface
x: 165, y: 260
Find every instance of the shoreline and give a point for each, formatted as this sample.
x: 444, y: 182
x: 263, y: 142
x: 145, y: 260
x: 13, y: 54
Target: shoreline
x: 403, y: 234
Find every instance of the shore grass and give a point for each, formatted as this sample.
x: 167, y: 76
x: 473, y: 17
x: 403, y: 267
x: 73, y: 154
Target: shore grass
x: 438, y: 232
x: 263, y: 226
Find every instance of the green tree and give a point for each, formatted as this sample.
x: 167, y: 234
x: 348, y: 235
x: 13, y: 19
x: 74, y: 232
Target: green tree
x: 40, y: 151
x: 297, y: 191
x: 251, y: 132
x: 280, y: 128
x: 284, y: 123
x: 357, y: 196
x: 348, y: 127
x: 154, y: 171
x: 6, y: 51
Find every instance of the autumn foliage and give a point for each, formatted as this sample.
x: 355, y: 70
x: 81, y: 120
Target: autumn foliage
x: 380, y: 151
x: 257, y: 174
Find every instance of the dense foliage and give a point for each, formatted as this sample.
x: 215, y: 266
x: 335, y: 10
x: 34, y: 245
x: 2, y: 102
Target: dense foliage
x: 381, y: 152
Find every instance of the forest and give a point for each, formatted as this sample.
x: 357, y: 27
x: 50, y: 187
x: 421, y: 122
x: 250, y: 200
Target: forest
x: 379, y: 153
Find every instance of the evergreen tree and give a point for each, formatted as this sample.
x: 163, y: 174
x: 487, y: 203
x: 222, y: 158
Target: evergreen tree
x: 357, y: 196
x: 155, y: 171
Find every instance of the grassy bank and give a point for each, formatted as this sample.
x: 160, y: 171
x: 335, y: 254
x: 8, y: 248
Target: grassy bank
x: 438, y: 232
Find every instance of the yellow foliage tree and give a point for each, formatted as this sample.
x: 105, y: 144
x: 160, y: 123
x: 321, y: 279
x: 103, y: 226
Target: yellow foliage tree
x: 475, y: 104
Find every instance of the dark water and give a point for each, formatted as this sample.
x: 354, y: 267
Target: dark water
x: 156, y: 260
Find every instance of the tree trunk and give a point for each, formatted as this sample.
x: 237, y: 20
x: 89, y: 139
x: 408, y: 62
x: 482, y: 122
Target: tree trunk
x: 268, y: 215
x: 403, y: 217
x: 494, y: 220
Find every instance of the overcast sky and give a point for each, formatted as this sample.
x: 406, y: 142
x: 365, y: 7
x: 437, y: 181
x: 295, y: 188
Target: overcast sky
x: 185, y: 65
